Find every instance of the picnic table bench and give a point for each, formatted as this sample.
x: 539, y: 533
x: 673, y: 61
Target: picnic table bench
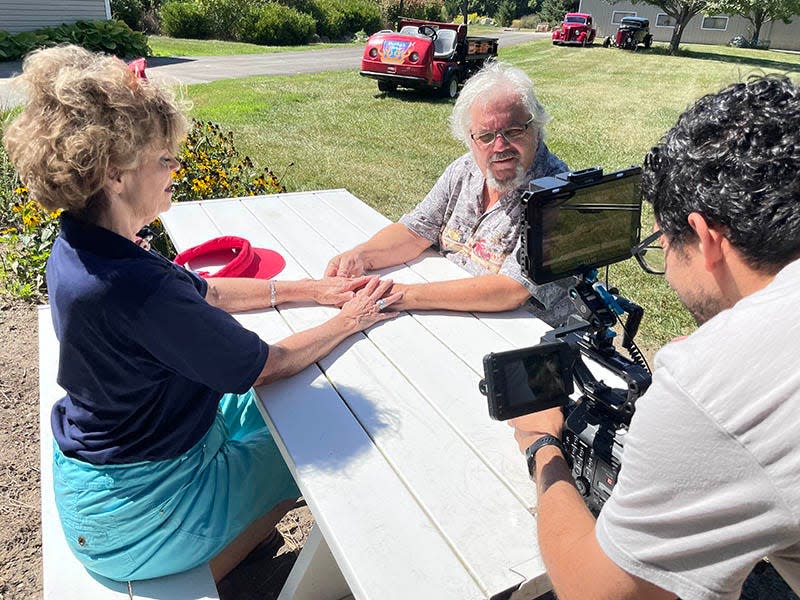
x: 415, y: 491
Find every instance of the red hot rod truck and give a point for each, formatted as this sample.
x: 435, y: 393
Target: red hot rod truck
x: 425, y: 55
x: 576, y: 29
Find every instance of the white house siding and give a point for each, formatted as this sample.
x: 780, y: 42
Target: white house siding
x: 780, y: 35
x: 28, y: 15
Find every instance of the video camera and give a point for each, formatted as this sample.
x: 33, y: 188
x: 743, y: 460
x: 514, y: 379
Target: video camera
x: 575, y: 223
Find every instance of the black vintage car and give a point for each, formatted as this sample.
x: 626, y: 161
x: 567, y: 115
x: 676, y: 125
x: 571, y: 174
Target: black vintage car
x: 632, y: 33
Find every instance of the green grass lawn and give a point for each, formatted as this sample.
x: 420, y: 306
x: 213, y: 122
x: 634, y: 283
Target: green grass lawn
x: 608, y: 107
x: 167, y: 46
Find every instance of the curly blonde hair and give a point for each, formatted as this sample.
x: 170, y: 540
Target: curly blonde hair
x: 86, y: 113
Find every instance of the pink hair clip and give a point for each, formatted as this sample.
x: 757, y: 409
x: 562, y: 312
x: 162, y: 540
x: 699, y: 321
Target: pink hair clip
x: 137, y: 68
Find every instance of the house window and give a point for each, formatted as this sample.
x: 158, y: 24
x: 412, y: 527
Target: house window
x: 618, y: 15
x: 664, y: 20
x: 715, y: 23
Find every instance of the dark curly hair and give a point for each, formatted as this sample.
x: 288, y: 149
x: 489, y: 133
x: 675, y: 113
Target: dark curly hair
x: 734, y: 157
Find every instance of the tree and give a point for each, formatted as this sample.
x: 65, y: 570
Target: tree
x: 506, y: 13
x: 758, y: 12
x: 681, y: 11
x: 553, y: 11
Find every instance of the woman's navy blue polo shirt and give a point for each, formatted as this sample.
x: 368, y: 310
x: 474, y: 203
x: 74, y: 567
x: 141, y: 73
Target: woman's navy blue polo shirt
x: 143, y: 357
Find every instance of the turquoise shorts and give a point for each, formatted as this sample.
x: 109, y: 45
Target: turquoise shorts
x: 149, y: 519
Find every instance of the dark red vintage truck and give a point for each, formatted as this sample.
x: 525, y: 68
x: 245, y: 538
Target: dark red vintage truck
x: 575, y: 29
x: 425, y: 55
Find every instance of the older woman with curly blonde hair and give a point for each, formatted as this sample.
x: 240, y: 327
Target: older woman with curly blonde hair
x: 161, y: 460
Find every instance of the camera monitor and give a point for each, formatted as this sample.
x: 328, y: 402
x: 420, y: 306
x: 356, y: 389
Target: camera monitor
x: 522, y: 381
x: 580, y: 221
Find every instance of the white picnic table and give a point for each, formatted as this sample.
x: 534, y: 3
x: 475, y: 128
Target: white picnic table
x: 415, y: 491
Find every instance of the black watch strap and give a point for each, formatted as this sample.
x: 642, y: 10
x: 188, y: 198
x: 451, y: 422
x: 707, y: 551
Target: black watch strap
x: 530, y: 453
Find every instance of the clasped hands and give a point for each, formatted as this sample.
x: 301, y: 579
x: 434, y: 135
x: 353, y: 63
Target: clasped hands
x: 345, y: 274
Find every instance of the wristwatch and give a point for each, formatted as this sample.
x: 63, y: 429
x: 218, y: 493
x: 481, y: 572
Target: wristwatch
x: 530, y: 453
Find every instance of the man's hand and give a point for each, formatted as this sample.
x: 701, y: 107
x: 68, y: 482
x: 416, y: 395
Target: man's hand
x: 346, y: 264
x: 335, y: 291
x: 531, y: 427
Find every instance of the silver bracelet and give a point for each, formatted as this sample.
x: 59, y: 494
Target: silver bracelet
x: 273, y: 294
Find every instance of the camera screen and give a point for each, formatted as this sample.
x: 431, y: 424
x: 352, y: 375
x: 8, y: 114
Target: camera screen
x: 535, y: 380
x: 528, y: 380
x: 575, y: 229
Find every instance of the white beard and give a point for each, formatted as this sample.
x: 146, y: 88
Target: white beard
x: 506, y: 185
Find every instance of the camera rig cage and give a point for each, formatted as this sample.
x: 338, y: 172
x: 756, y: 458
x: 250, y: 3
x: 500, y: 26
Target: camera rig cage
x: 575, y: 223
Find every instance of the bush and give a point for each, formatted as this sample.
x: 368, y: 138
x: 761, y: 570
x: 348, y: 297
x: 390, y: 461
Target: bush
x: 112, y: 37
x: 277, y: 25
x: 131, y: 12
x: 430, y: 10
x: 506, y: 13
x: 185, y: 20
x: 526, y: 22
x: 360, y: 14
x: 228, y: 18
x: 212, y: 167
x: 27, y: 233
x: 740, y: 41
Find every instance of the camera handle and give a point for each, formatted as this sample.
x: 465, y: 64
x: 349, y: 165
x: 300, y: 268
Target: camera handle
x: 592, y: 335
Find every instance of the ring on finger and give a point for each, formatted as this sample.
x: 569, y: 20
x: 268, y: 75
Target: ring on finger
x: 381, y: 304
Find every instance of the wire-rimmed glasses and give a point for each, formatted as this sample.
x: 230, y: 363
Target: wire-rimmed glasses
x: 509, y: 134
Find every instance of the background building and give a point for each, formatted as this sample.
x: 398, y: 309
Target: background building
x: 702, y: 29
x: 28, y: 15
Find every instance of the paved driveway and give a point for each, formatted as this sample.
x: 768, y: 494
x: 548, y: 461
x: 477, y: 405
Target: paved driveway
x: 202, y: 69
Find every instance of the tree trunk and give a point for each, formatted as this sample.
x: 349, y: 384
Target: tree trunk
x: 757, y: 20
x: 677, y: 31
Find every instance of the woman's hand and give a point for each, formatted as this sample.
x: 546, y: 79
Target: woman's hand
x: 335, y: 291
x: 364, y: 309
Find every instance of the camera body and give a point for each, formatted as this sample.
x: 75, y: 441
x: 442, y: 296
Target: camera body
x: 575, y: 223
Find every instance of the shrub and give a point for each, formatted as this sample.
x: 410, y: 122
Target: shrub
x: 185, y: 20
x: 131, y: 12
x: 212, y: 167
x: 361, y: 14
x: 228, y: 18
x: 336, y: 19
x: 526, y: 22
x: 279, y: 25
x: 27, y: 233
x: 429, y: 10
x: 506, y: 12
x: 112, y: 37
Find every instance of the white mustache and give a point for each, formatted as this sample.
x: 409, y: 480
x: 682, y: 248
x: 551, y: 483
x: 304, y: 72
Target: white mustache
x: 503, y: 155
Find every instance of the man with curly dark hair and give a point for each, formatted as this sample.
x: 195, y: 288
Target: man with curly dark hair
x: 710, y: 479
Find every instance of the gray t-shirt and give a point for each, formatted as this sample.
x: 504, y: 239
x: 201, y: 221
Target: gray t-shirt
x: 451, y: 218
x: 710, y: 479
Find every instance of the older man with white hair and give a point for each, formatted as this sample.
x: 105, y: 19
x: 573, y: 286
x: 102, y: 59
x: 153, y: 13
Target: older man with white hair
x: 473, y: 215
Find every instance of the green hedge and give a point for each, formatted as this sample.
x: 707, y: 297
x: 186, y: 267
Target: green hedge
x: 112, y: 37
x: 274, y: 24
x: 186, y: 20
x: 250, y: 20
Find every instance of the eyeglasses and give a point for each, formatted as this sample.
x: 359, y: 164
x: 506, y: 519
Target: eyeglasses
x: 509, y: 134
x: 650, y: 254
